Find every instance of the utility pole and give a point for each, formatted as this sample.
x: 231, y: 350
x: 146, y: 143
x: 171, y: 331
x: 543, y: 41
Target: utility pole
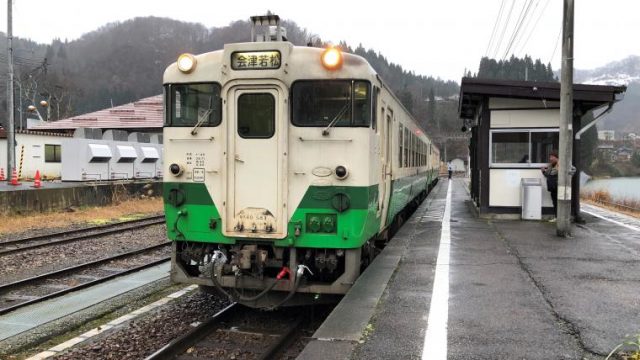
x: 566, y: 120
x: 11, y: 135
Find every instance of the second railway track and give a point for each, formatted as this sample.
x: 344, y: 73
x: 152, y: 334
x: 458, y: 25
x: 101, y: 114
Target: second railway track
x: 60, y: 282
x: 13, y: 246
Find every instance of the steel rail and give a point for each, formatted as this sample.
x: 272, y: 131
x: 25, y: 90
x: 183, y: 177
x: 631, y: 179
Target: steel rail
x: 180, y: 344
x: 29, y: 281
x: 282, y: 342
x: 101, y: 231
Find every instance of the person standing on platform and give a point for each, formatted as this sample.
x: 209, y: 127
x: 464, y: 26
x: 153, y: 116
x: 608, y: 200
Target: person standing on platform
x: 450, y: 169
x: 551, y: 173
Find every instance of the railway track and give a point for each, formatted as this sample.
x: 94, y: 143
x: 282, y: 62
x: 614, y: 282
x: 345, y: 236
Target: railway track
x: 62, y: 237
x: 237, y: 332
x: 56, y: 283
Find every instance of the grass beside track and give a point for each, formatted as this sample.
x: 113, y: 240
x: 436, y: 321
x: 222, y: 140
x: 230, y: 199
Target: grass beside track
x: 125, y: 210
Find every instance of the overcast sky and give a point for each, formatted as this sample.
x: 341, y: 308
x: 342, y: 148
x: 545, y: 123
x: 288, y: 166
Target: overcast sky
x: 438, y: 38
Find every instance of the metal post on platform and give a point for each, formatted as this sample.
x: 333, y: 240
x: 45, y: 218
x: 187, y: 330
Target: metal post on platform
x: 11, y: 135
x: 563, y: 225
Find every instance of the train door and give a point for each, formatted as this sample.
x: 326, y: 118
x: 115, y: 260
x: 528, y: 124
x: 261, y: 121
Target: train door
x: 387, y: 153
x: 255, y: 162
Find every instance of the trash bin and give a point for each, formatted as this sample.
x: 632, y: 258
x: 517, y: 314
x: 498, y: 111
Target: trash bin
x: 531, y: 198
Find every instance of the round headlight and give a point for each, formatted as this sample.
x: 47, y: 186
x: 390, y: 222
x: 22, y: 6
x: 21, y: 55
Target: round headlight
x: 175, y: 169
x: 332, y: 58
x: 186, y: 63
x: 341, y: 172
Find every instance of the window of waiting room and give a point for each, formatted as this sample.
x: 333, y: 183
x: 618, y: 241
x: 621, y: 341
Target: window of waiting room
x: 522, y: 147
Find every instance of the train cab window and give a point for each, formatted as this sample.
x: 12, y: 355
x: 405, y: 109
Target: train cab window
x: 256, y: 116
x: 336, y: 103
x: 193, y: 104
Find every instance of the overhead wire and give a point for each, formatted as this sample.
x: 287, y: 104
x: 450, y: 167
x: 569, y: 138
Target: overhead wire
x: 535, y: 25
x: 525, y: 28
x: 555, y: 47
x: 523, y: 14
x: 495, y: 26
x: 504, y: 29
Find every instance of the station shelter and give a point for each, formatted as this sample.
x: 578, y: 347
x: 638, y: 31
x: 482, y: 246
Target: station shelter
x: 514, y: 126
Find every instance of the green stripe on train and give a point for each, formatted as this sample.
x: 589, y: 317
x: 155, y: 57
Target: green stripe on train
x: 196, y: 218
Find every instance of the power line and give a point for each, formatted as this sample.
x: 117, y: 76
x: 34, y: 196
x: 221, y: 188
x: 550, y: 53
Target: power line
x: 504, y: 29
x: 535, y: 25
x: 525, y: 28
x: 519, y: 22
x: 495, y: 26
x: 555, y: 47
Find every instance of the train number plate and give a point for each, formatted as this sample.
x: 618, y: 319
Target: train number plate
x: 198, y: 175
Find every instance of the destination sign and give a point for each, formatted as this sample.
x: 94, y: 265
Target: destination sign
x: 255, y: 60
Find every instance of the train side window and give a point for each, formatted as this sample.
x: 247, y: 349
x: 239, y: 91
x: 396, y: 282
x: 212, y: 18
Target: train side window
x: 192, y: 104
x: 374, y: 108
x: 411, y: 151
x: 415, y: 151
x: 401, y: 143
x: 256, y: 116
x: 406, y: 147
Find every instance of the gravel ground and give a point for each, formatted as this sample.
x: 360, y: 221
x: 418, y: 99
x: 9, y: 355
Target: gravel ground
x: 53, y: 230
x: 143, y: 336
x: 241, y: 338
x: 33, y: 262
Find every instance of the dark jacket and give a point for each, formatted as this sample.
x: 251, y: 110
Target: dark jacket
x: 552, y: 177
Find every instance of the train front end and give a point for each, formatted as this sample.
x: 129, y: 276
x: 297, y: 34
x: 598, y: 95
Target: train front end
x: 269, y: 192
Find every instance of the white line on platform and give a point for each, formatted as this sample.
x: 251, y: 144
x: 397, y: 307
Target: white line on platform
x: 611, y: 220
x: 100, y: 329
x: 435, y: 338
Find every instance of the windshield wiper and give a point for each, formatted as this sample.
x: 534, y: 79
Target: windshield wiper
x: 344, y: 109
x: 201, y: 119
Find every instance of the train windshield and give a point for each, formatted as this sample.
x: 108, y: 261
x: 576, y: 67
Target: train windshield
x: 339, y: 103
x: 193, y: 105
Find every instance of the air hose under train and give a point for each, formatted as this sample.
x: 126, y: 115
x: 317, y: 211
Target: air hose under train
x: 220, y: 257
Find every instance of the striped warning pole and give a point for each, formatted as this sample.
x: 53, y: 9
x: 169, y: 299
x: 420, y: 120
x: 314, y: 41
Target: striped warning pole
x: 21, y: 159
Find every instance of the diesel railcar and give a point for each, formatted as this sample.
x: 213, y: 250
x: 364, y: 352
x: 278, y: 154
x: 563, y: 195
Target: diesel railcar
x: 284, y: 166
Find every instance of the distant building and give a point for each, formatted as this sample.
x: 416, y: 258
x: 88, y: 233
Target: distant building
x: 35, y: 150
x: 40, y: 147
x: 606, y: 152
x: 458, y: 165
x: 144, y: 115
x: 606, y: 135
x: 624, y: 153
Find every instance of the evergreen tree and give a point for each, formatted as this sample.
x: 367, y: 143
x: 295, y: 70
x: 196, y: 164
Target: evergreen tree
x: 431, y: 108
x: 515, y: 69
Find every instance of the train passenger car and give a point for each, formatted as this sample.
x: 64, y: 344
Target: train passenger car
x: 284, y: 165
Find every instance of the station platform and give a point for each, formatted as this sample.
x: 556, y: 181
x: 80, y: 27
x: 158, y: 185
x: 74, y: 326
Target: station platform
x: 453, y: 286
